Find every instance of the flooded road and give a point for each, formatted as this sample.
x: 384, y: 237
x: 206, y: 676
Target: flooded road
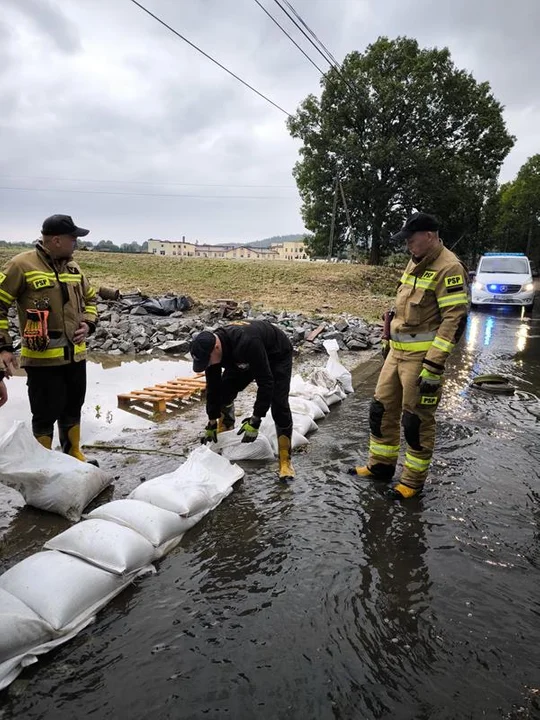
x: 324, y: 601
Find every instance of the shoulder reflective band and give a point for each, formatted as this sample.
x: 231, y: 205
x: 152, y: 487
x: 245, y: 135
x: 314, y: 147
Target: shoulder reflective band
x: 34, y: 273
x: 5, y: 297
x: 70, y: 278
x: 411, y: 346
x: 443, y: 345
x: 42, y: 354
x: 457, y: 299
x: 418, y: 464
x: 389, y: 451
x: 407, y: 279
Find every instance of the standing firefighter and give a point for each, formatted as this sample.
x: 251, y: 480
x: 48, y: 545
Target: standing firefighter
x: 57, y: 311
x: 431, y: 312
x: 233, y: 357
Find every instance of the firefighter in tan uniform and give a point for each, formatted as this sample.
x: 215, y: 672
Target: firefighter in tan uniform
x: 430, y: 316
x: 57, y: 311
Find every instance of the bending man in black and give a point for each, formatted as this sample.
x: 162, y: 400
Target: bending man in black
x: 232, y: 357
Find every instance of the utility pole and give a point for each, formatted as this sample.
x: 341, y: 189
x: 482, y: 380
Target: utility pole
x: 346, y: 207
x: 529, y: 236
x: 333, y: 221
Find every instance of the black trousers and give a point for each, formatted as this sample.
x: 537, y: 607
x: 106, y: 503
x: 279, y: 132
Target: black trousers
x: 56, y: 394
x: 235, y: 380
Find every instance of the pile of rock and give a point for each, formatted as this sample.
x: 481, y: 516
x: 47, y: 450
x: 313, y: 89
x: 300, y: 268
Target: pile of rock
x: 127, y: 330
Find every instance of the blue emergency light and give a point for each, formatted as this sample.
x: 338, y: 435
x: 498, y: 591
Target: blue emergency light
x: 493, y: 288
x: 506, y: 254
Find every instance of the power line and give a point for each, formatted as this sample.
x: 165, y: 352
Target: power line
x: 292, y: 19
x: 310, y: 31
x: 133, y: 194
x: 289, y: 36
x: 142, y: 182
x: 209, y: 57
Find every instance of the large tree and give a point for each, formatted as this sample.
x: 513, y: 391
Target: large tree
x: 405, y: 130
x: 518, y: 227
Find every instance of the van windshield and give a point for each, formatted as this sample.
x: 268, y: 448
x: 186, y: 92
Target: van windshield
x: 512, y: 265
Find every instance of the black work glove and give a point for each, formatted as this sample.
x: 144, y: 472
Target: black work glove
x: 429, y: 382
x: 210, y: 433
x: 250, y: 429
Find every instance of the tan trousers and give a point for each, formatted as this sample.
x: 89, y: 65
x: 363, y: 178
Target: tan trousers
x: 397, y: 398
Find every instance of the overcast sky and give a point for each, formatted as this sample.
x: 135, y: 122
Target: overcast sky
x: 97, y: 96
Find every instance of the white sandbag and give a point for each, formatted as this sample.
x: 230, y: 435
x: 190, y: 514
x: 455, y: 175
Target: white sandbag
x: 304, y: 406
x: 106, y: 544
x: 230, y: 445
x: 303, y: 424
x: 335, y: 369
x: 328, y: 386
x: 158, y: 526
x: 47, y: 480
x: 303, y: 389
x: 207, y: 468
x: 268, y: 429
x: 63, y: 590
x: 21, y: 630
x: 167, y: 493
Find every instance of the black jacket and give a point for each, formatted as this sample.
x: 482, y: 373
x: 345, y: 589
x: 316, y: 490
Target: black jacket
x: 252, y: 347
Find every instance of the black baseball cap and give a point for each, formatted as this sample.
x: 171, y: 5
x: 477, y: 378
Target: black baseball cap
x: 62, y: 225
x: 201, y: 349
x: 418, y: 222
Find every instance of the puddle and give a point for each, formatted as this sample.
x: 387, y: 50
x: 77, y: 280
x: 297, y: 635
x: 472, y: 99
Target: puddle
x: 102, y: 420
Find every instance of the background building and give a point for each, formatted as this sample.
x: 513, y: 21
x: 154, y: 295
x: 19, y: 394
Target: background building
x: 277, y: 251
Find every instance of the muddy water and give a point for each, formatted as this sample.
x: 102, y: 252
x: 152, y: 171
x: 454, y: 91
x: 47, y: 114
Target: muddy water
x: 324, y: 600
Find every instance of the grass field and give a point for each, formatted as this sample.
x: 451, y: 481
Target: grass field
x: 314, y: 288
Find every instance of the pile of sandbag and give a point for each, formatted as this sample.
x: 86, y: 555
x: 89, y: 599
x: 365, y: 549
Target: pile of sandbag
x: 310, y: 400
x: 52, y: 595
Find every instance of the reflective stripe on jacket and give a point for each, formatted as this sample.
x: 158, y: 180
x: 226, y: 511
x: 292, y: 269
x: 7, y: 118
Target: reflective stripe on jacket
x: 431, y: 307
x: 33, y: 279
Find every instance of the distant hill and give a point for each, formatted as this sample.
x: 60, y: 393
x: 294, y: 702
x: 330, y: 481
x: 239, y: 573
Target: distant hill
x: 266, y: 242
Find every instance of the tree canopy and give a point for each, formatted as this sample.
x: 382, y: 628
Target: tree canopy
x: 404, y: 130
x: 518, y: 221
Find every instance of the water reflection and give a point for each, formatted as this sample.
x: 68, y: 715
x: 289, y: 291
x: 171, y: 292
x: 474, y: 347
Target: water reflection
x: 484, y: 331
x: 108, y: 376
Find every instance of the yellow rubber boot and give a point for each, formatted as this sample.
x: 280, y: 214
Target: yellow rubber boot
x: 362, y: 471
x: 70, y: 440
x: 402, y: 492
x: 45, y: 440
x: 286, y: 470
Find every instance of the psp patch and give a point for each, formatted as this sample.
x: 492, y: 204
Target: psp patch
x: 429, y: 400
x: 453, y: 281
x: 42, y: 283
x: 429, y: 275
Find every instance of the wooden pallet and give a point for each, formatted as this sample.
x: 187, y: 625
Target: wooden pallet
x: 158, y: 397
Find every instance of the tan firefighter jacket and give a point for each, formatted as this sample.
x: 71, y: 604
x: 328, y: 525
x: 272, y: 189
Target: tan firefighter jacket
x: 431, y: 308
x: 34, y: 280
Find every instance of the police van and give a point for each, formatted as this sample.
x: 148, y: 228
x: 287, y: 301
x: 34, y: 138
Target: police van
x: 503, y: 279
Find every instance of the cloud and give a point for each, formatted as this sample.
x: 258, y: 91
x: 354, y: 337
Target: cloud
x: 100, y: 97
